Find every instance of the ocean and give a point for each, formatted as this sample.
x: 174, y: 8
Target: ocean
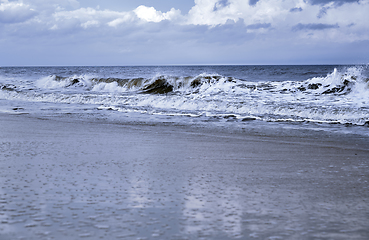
x: 249, y: 98
x: 184, y: 152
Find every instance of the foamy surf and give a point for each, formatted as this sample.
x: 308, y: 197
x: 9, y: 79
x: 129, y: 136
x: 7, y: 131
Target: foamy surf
x: 304, y: 94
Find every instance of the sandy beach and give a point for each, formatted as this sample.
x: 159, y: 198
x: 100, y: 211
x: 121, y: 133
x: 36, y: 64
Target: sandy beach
x: 88, y: 180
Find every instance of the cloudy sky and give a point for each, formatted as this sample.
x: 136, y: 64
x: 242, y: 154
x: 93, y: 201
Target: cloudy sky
x: 167, y: 32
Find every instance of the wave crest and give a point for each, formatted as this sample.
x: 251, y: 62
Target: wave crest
x: 348, y: 81
x: 338, y: 82
x: 156, y: 85
x: 340, y: 96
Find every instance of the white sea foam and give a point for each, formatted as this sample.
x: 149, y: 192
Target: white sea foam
x: 59, y: 83
x: 340, y: 96
x: 108, y: 87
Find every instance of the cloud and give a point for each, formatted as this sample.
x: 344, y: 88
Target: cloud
x: 221, y: 4
x: 120, y: 20
x: 259, y: 26
x: 211, y: 31
x: 211, y: 12
x: 296, y: 9
x: 15, y: 12
x: 150, y: 14
x: 335, y: 2
x: 66, y: 16
x: 91, y: 23
x: 323, y: 11
x: 214, y: 12
x: 89, y: 17
x: 314, y: 26
x: 253, y: 2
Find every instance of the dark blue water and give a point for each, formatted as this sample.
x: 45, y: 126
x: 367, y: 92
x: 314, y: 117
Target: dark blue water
x: 248, y: 73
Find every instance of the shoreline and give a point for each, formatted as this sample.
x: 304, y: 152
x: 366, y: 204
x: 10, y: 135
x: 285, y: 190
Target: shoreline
x: 86, y: 180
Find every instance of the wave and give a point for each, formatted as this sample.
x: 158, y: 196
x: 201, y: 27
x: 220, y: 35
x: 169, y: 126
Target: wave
x: 156, y: 85
x: 339, y: 97
x: 336, y: 83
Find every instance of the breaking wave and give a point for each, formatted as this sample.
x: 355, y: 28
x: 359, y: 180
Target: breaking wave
x: 156, y: 85
x: 341, y: 96
x: 336, y: 83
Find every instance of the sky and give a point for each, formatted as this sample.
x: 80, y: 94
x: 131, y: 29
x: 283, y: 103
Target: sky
x: 183, y: 32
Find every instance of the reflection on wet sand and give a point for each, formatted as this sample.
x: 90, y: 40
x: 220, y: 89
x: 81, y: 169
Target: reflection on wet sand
x: 109, y: 182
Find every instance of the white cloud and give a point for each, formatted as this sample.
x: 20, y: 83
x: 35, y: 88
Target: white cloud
x: 91, y: 23
x: 215, y: 12
x: 150, y: 14
x: 204, y: 13
x: 89, y: 17
x: 15, y: 12
x: 280, y: 14
x: 121, y: 20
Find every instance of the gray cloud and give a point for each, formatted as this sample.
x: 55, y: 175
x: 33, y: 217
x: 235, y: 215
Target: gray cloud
x: 296, y: 9
x: 336, y: 2
x: 231, y: 33
x: 314, y: 26
x: 221, y: 4
x: 323, y: 11
x: 253, y: 2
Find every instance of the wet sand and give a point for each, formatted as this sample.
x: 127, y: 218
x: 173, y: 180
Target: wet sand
x: 80, y: 180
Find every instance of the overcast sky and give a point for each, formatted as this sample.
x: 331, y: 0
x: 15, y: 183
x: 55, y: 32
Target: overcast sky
x: 167, y: 32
